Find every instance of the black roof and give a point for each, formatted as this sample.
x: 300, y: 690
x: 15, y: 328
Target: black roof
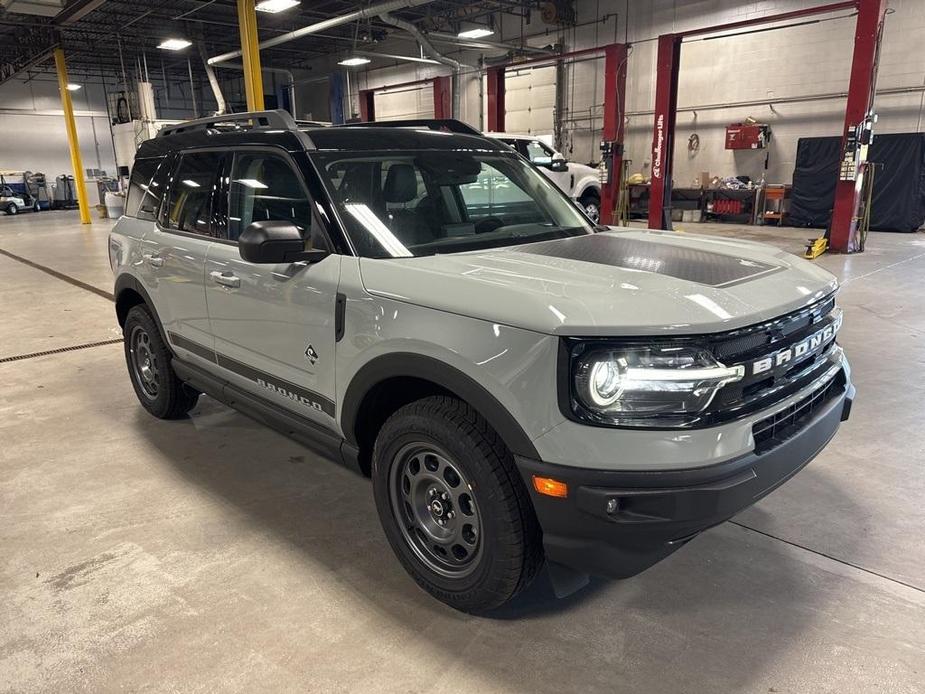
x: 371, y: 138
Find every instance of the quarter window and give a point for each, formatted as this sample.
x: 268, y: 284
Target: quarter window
x: 189, y: 208
x: 145, y: 189
x: 264, y: 187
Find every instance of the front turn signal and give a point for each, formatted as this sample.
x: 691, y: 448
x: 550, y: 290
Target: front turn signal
x: 550, y: 487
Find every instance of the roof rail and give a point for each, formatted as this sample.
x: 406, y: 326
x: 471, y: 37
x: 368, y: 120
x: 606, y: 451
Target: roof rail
x: 256, y: 120
x: 444, y: 124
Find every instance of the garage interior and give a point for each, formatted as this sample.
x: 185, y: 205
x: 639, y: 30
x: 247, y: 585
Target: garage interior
x: 213, y: 554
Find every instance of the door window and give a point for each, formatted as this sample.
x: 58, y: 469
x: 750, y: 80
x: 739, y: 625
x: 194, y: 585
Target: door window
x: 189, y: 207
x: 265, y: 187
x: 538, y: 152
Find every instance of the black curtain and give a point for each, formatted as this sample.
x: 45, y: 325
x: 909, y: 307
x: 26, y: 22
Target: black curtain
x: 899, y: 185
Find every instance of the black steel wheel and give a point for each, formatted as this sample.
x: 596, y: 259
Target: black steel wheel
x: 453, y: 505
x: 148, y: 359
x: 436, y: 508
x: 591, y: 205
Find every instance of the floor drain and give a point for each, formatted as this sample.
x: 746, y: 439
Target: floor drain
x: 72, y: 348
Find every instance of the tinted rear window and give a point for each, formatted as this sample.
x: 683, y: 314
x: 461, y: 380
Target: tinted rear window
x: 139, y: 184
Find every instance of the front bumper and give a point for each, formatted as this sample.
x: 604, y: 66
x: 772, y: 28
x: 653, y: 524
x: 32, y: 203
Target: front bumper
x: 617, y: 523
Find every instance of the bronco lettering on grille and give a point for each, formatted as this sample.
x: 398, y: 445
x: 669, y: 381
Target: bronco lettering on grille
x: 794, y: 352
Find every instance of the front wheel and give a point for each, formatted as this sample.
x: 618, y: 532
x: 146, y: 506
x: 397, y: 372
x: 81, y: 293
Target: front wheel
x: 148, y: 360
x: 591, y: 204
x: 453, y: 506
x: 12, y: 209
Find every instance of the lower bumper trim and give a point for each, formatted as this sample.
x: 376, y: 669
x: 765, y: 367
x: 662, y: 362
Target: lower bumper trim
x: 617, y: 523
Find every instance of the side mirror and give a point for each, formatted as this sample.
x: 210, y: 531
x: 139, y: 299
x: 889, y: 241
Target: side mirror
x: 558, y: 163
x: 276, y: 241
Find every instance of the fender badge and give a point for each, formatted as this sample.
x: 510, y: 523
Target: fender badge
x: 311, y: 355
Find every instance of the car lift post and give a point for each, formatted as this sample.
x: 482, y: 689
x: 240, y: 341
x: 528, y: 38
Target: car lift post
x: 496, y: 108
x: 367, y: 105
x: 615, y: 57
x: 666, y: 91
x: 83, y: 202
x: 843, y: 234
x: 250, y: 54
x: 443, y: 97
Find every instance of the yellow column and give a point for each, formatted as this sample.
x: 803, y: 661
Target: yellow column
x: 82, y: 201
x: 253, y: 78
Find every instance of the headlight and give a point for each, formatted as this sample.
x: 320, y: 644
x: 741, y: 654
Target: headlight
x: 663, y: 386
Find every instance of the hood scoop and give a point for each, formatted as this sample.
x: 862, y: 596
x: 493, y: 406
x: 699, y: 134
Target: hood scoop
x: 685, y: 263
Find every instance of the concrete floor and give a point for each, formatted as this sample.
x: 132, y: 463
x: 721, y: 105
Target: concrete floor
x: 212, y: 554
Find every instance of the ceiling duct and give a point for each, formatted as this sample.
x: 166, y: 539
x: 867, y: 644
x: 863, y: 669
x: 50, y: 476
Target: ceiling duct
x: 365, y: 13
x: 42, y: 8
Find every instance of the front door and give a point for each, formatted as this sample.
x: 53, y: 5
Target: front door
x: 541, y: 154
x: 273, y: 324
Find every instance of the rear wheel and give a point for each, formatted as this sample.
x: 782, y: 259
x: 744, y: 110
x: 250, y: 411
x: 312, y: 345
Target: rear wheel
x: 591, y: 204
x: 453, y: 506
x: 148, y: 359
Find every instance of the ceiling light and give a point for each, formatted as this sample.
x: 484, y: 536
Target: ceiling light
x: 351, y: 62
x: 72, y: 87
x: 174, y: 44
x: 479, y: 33
x: 274, y: 6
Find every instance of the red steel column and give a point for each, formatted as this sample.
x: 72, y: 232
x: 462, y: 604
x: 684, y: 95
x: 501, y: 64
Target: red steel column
x: 666, y: 107
x: 495, y: 78
x: 443, y: 102
x: 367, y: 105
x: 843, y: 232
x: 615, y: 56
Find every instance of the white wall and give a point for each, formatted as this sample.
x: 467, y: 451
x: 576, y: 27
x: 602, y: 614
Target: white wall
x: 32, y: 132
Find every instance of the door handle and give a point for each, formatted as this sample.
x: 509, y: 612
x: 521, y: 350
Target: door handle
x: 153, y: 260
x: 225, y: 280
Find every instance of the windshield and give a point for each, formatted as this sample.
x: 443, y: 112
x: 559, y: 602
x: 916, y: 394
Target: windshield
x: 413, y: 203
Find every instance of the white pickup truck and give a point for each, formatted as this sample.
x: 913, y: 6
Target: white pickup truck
x: 578, y: 181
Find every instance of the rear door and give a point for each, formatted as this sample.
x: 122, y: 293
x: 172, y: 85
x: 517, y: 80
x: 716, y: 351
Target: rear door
x: 273, y: 324
x: 174, y: 251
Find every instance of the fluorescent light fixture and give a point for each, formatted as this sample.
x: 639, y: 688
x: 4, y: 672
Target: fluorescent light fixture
x: 352, y: 62
x: 250, y: 183
x: 174, y: 44
x: 191, y: 183
x: 71, y: 87
x: 274, y: 6
x: 478, y: 33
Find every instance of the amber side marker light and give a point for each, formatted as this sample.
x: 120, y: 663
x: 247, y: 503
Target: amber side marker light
x: 550, y: 487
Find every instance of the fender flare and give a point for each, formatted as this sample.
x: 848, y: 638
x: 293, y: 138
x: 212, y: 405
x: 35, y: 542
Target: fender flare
x: 124, y: 282
x: 410, y: 365
x: 585, y: 186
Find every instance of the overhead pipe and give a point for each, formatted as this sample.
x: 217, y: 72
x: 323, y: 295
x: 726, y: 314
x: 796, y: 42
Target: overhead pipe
x: 213, y: 82
x: 431, y: 52
x: 441, y: 37
x: 365, y: 13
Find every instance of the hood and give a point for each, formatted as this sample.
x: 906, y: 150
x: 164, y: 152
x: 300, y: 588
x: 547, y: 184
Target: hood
x: 619, y: 282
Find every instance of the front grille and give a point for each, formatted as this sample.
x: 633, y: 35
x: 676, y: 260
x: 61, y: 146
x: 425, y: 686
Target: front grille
x: 780, y: 426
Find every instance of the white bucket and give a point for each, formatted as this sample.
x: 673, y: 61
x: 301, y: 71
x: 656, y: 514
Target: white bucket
x: 115, y: 205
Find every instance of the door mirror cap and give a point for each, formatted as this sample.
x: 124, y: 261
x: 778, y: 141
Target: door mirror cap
x: 276, y: 241
x: 558, y: 163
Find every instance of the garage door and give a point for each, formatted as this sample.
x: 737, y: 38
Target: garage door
x: 530, y: 100
x: 405, y: 103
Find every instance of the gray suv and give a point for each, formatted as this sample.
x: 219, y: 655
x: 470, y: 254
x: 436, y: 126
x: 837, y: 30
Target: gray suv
x: 417, y: 302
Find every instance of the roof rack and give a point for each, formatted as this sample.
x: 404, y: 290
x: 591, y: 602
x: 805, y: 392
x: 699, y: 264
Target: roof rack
x: 442, y: 124
x: 253, y: 120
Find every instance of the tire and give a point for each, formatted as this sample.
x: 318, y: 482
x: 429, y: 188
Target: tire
x: 491, y: 540
x: 148, y: 360
x: 591, y: 204
x: 12, y: 209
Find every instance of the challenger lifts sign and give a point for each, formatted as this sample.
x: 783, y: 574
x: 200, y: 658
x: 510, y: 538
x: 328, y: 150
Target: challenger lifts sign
x: 658, y: 149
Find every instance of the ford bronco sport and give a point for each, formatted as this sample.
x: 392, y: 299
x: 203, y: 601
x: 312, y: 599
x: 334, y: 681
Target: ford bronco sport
x: 418, y: 302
